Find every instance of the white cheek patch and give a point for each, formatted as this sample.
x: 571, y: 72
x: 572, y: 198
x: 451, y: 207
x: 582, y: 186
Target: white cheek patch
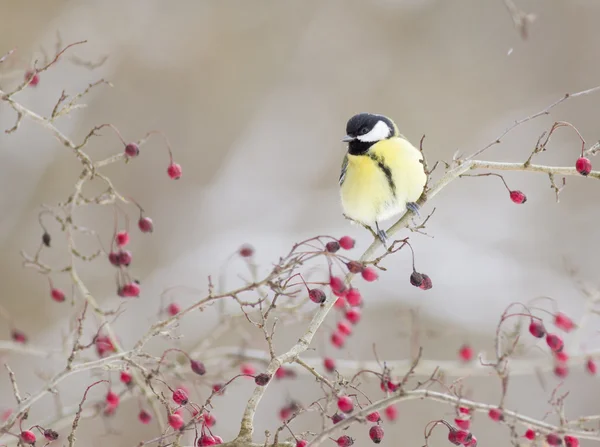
x: 380, y: 132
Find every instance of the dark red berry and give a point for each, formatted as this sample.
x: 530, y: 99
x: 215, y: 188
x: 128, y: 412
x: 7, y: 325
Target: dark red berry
x: 518, y: 197
x: 329, y: 364
x: 355, y: 267
x: 374, y: 417
x: 332, y: 246
x: 452, y: 437
x: 346, y: 242
x: 416, y: 279
x: 173, y: 309
x: 345, y: 404
x: 132, y: 150
x: 246, y: 251
x: 427, y: 283
x: 144, y: 417
x: 198, y: 367
x: 563, y: 322
x: 114, y: 259
x: 465, y: 353
x: 175, y: 421
x: 369, y: 274
x: 18, y: 336
x: 28, y: 437
x: 338, y: 417
x: 32, y: 77
x: 50, y: 435
x: 529, y: 434
x: 583, y: 166
x: 46, y: 239
x: 146, y: 225
x: 262, y: 379
x: 376, y: 433
x: 174, y: 171
x: 125, y: 377
x: 536, y: 328
x: 495, y: 414
x: 553, y: 439
x: 317, y: 296
x: 180, y: 397
x: 571, y: 441
x: 554, y: 342
x: 345, y: 441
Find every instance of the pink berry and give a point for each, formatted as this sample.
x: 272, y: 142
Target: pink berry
x: 246, y: 251
x: 583, y: 166
x: 317, y: 296
x: 590, y: 366
x: 561, y: 356
x: 124, y: 257
x: 28, y: 437
x: 561, y: 370
x: 332, y: 246
x: 369, y: 274
x: 280, y: 373
x: 345, y: 441
x: 495, y: 414
x: 329, y: 364
x: 340, y: 303
x: 344, y: 327
x: 353, y: 315
x: 338, y: 339
x: 464, y: 410
x: 50, y: 435
x: 33, y: 78
x: 571, y: 441
x: 353, y: 297
x: 465, y: 424
x: 536, y: 328
x: 376, y: 434
x: 144, y: 417
x: 355, y: 267
x: 518, y: 197
x: 180, y: 397
x: 18, y: 336
x: 206, y: 441
x: 132, y: 150
x: 208, y: 419
x: 246, y: 368
x: 462, y: 436
x: 174, y: 171
x: 112, y: 398
x: 146, y: 225
x: 338, y: 417
x: 57, y: 295
x: 472, y: 442
x: 122, y: 238
x: 553, y: 439
x: 301, y: 443
x: 345, y: 404
x: 346, y: 242
x: 285, y: 413
x: 218, y: 439
x: 563, y: 322
x: 465, y: 353
x: 198, y: 367
x: 262, y: 379
x: 374, y: 417
x: 427, y: 283
x: 529, y: 434
x: 554, y: 342
x: 173, y: 309
x: 104, y: 345
x: 125, y: 377
x: 391, y: 413
x: 175, y: 421
x: 337, y: 284
x: 131, y: 290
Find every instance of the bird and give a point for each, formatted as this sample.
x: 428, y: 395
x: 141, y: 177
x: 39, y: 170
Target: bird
x: 382, y: 173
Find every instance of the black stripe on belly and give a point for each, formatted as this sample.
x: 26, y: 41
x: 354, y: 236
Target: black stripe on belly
x: 386, y: 170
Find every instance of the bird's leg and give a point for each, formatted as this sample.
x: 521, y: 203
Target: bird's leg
x: 412, y: 206
x: 365, y: 226
x: 381, y: 234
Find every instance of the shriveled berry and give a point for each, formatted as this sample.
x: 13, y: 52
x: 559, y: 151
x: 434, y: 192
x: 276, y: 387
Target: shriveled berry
x: 495, y: 414
x: 353, y: 297
x: 28, y: 437
x: 57, y: 295
x: 571, y: 441
x: 536, y: 328
x: 369, y: 274
x: 427, y: 283
x: 332, y: 246
x: 465, y: 424
x: 317, y: 296
x: 529, y: 434
x: 180, y: 397
x: 376, y: 433
x: 345, y: 441
x: 18, y: 336
x: 346, y: 242
x: 112, y: 398
x: 338, y: 339
x: 262, y: 379
x: 46, y: 239
x: 518, y: 197
x: 132, y: 149
x: 583, y: 166
x: 353, y: 315
x: 146, y: 225
x: 338, y: 417
x: 416, y: 279
x: 198, y: 367
x: 329, y: 364
x: 122, y: 238
x: 374, y: 416
x: 32, y: 77
x: 553, y: 439
x: 173, y: 309
x: 465, y: 353
x: 561, y: 370
x: 344, y: 327
x: 125, y: 377
x: 175, y: 421
x: 391, y: 413
x: 355, y: 267
x: 345, y: 404
x: 50, y: 435
x: 563, y: 322
x: 174, y: 171
x: 246, y: 251
x: 590, y: 366
x: 144, y: 417
x: 554, y: 342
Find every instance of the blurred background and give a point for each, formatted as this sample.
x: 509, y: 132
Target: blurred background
x: 254, y: 97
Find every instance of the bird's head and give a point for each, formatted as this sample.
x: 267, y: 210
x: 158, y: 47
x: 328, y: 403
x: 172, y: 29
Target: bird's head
x: 369, y: 128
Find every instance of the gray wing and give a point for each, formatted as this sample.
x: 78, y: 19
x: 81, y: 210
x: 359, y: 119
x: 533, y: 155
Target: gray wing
x: 344, y: 167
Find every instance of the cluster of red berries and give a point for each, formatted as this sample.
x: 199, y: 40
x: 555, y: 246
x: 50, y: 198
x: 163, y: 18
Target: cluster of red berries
x: 555, y: 440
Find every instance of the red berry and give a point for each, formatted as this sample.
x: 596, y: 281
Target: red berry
x: 104, y: 345
x: 33, y: 78
x: 337, y: 284
x: 391, y: 413
x: 174, y: 171
x: 346, y: 242
x: 563, y: 322
x: 344, y: 327
x: 206, y: 441
x: 198, y: 367
x: 285, y: 413
x: 124, y: 257
x: 553, y: 439
x: 355, y: 267
x: 338, y: 417
x: 146, y: 225
x: 465, y: 353
x: 554, y: 342
x: 57, y: 295
x: 280, y: 373
x: 332, y: 246
x: 18, y: 336
x: 561, y: 370
x: 246, y: 251
x: 388, y: 386
x: 369, y: 274
x: 353, y: 315
x: 345, y: 441
x: 583, y: 166
x: 495, y: 414
x: 518, y: 197
x: 132, y: 150
x: 376, y: 433
x: 131, y: 290
x: 590, y: 366
x: 112, y: 398
x: 529, y: 434
x: 218, y: 439
x: 329, y: 364
x: 571, y: 441
x: 465, y: 424
x: 218, y: 389
x: 125, y: 377
x: 317, y: 296
x: 561, y: 356
x: 173, y: 309
x: 462, y: 436
x: 345, y: 404
x: 208, y: 419
x: 50, y: 435
x: 175, y: 421
x: 246, y: 368
x: 122, y: 238
x: 536, y: 328
x: 114, y: 258
x: 427, y: 283
x: 340, y: 303
x: 353, y: 297
x: 338, y: 339
x: 144, y: 417
x: 28, y: 437
x: 180, y: 397
x: 374, y: 417
x: 262, y: 379
x: 301, y: 443
x: 472, y: 442
x: 452, y: 437
x: 464, y: 410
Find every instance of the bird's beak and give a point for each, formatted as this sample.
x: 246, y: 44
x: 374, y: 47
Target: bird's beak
x: 348, y: 139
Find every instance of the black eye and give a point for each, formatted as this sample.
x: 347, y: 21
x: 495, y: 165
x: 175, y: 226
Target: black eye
x: 363, y: 131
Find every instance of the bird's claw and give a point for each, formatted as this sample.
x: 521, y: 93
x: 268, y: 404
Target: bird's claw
x: 382, y: 235
x: 412, y: 206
